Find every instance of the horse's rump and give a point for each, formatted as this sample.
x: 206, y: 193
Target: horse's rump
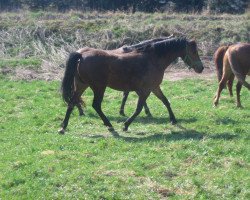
x: 238, y: 58
x: 218, y: 60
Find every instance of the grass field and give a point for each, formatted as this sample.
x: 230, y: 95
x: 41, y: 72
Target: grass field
x: 205, y: 156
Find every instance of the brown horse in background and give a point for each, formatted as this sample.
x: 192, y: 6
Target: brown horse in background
x: 141, y: 71
x: 122, y: 50
x: 235, y: 63
x: 218, y: 60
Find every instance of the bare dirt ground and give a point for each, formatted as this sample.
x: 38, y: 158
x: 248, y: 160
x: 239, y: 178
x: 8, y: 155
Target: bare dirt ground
x: 179, y: 74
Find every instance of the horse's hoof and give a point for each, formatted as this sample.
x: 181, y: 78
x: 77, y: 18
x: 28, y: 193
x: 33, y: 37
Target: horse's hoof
x: 149, y: 115
x: 61, y: 131
x: 173, y: 122
x: 216, y: 104
x: 81, y: 114
x: 239, y: 106
x: 111, y: 129
x: 125, y: 128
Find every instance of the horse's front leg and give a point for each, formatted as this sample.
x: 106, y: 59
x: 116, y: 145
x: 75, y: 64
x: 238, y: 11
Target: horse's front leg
x: 97, y: 101
x: 158, y: 93
x: 141, y: 101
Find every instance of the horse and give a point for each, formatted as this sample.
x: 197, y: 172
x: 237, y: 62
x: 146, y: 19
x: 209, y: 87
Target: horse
x: 235, y: 63
x: 141, y: 71
x: 121, y: 50
x: 218, y: 60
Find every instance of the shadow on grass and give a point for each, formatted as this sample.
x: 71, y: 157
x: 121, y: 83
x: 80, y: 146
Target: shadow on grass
x: 145, y: 119
x: 182, y: 134
x: 176, y: 136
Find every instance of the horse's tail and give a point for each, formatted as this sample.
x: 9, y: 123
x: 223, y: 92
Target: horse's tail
x: 67, y: 87
x: 218, y: 60
x: 236, y: 70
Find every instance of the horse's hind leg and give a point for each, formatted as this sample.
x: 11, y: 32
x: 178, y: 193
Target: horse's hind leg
x: 238, y: 89
x: 75, y: 101
x: 230, y: 84
x: 66, y: 118
x: 158, y: 92
x: 220, y: 88
x: 124, y: 99
x: 226, y: 75
x: 80, y: 87
x: 141, y: 101
x: 98, y: 97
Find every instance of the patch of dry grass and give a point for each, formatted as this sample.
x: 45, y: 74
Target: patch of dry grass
x: 49, y: 36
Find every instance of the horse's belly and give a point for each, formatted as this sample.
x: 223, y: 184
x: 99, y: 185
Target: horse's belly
x: 123, y: 83
x: 119, y: 83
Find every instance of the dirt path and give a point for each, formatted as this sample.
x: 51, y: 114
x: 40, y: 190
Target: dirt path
x: 179, y: 74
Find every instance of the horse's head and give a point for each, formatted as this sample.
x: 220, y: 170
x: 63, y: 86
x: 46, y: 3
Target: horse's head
x: 191, y: 57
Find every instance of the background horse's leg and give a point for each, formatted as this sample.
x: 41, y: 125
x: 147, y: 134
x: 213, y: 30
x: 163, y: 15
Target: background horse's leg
x: 230, y: 84
x: 97, y: 101
x: 141, y: 101
x: 158, y: 92
x: 79, y: 106
x: 124, y: 99
x: 238, y: 89
x: 147, y: 111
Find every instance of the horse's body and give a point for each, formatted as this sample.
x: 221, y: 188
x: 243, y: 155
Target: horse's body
x: 235, y: 63
x: 140, y: 71
x: 122, y: 50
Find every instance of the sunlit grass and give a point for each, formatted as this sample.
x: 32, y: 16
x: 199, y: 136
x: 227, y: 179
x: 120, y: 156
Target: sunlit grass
x: 204, y: 156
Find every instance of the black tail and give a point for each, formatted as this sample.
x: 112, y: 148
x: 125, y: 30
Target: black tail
x: 67, y: 87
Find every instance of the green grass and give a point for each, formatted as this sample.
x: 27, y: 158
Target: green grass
x: 205, y: 156
x: 25, y: 62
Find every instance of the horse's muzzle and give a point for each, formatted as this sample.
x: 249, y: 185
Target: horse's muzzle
x: 199, y: 68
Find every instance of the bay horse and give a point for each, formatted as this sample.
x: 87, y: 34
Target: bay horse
x: 235, y: 63
x: 122, y: 50
x: 141, y: 71
x: 218, y: 60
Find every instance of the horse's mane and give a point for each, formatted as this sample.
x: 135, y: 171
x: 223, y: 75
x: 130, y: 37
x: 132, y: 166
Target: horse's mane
x: 145, y: 43
x: 161, y: 47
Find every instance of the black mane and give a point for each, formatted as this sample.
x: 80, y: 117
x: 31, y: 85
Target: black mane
x: 143, y: 44
x: 161, y: 47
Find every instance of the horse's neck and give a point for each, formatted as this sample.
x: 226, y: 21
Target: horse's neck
x: 169, y: 58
